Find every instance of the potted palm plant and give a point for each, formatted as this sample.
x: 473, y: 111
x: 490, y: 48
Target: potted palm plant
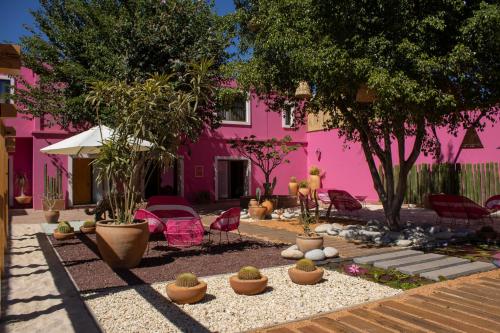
x: 150, y: 118
x: 21, y: 182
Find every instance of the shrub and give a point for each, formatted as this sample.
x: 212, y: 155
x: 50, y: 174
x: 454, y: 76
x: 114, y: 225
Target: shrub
x: 186, y: 280
x: 89, y: 224
x: 314, y: 171
x: 306, y: 265
x: 293, y: 179
x: 249, y: 273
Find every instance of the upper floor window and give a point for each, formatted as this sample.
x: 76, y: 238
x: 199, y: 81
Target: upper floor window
x: 236, y: 110
x: 288, y: 117
x: 6, y: 88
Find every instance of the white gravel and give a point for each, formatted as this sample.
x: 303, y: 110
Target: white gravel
x: 146, y: 308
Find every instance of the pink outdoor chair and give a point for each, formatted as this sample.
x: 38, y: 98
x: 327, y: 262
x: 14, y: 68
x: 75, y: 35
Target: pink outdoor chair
x: 457, y: 207
x: 227, y: 221
x: 493, y: 203
x: 343, y: 202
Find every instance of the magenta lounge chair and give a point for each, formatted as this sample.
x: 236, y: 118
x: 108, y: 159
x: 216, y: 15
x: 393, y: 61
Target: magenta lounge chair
x: 343, y: 201
x: 227, y: 221
x: 458, y: 207
x: 493, y: 203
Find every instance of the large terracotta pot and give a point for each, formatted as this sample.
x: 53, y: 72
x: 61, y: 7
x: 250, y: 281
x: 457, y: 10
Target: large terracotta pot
x: 122, y: 245
x: 248, y: 287
x: 304, y: 191
x: 314, y: 182
x: 23, y: 200
x: 269, y: 206
x: 293, y: 188
x: 186, y: 295
x: 51, y: 216
x: 302, y: 277
x: 308, y: 243
x: 258, y: 213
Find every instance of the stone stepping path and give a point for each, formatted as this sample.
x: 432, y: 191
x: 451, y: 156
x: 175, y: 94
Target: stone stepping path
x: 430, y: 266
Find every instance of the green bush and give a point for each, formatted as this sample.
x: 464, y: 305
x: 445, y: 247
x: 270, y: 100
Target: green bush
x: 249, y: 273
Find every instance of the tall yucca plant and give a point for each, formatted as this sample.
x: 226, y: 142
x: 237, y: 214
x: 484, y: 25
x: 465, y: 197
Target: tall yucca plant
x: 151, y: 118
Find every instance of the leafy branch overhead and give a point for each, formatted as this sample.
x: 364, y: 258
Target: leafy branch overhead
x: 267, y: 155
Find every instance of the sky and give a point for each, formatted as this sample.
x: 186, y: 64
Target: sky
x: 15, y: 13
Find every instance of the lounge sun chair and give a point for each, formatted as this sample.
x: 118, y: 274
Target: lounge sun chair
x: 343, y: 202
x: 493, y: 203
x: 458, y: 207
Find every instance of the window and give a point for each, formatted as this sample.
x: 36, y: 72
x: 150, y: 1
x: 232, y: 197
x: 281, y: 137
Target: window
x: 6, y: 87
x: 237, y: 112
x: 288, y: 117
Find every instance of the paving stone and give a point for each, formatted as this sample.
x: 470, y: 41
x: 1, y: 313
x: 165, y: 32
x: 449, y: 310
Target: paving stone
x: 460, y: 270
x: 416, y: 269
x: 386, y: 256
x: 388, y: 264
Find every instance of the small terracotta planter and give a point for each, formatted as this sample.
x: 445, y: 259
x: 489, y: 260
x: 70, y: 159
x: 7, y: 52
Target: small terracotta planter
x: 186, y: 295
x: 293, y: 188
x: 258, y: 213
x: 52, y: 216
x: 269, y: 206
x: 248, y: 287
x: 23, y: 199
x: 304, y: 191
x: 61, y: 236
x: 90, y: 230
x: 302, y: 277
x: 314, y: 182
x: 308, y: 243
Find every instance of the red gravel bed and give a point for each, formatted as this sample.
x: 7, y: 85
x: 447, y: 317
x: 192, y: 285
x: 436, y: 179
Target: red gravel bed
x: 81, y: 258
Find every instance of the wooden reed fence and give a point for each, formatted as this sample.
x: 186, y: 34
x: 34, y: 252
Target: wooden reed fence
x: 477, y: 181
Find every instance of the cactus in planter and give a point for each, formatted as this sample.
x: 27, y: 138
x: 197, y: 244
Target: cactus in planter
x: 249, y: 273
x: 303, y: 184
x: 314, y: 171
x: 64, y: 229
x: 306, y: 265
x: 89, y: 224
x: 186, y: 280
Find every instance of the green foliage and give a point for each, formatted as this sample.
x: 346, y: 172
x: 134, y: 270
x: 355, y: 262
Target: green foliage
x: 249, y: 273
x: 306, y: 265
x: 424, y: 62
x: 267, y: 155
x: 303, y: 184
x: 186, y: 280
x: 89, y: 224
x: 305, y: 220
x: 64, y: 228
x: 315, y: 171
x: 77, y: 42
x: 158, y: 112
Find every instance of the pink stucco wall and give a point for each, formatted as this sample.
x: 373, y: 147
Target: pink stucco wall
x: 346, y: 168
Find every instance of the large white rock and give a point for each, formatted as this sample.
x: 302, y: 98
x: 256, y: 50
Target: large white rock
x: 315, y: 255
x: 293, y: 247
x: 331, y: 252
x: 404, y: 242
x: 323, y: 228
x: 337, y: 226
x: 292, y: 254
x: 347, y: 233
x: 332, y: 232
x: 372, y: 234
x: 275, y: 216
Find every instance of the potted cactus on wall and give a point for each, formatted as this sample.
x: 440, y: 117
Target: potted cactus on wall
x: 256, y: 210
x: 186, y: 289
x: 305, y: 272
x: 21, y: 183
x: 248, y: 281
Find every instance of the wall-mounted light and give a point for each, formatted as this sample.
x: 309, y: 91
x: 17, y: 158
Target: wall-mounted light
x: 318, y: 154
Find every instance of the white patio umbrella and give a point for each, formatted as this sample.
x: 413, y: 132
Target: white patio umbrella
x: 86, y: 143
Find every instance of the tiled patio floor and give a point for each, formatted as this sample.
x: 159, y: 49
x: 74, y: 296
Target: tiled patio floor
x: 470, y: 304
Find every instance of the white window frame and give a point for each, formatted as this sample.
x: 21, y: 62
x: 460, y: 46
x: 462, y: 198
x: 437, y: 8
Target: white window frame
x: 248, y: 115
x: 12, y: 85
x: 292, y: 118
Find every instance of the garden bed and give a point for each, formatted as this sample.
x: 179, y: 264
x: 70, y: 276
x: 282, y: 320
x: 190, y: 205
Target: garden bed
x: 224, y: 311
x: 81, y: 258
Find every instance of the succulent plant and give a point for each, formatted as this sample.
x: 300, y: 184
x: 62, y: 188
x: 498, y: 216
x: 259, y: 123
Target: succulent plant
x: 314, y: 171
x: 249, y: 273
x: 303, y: 184
x: 64, y: 229
x: 306, y: 265
x: 65, y: 223
x: 88, y: 224
x: 186, y: 280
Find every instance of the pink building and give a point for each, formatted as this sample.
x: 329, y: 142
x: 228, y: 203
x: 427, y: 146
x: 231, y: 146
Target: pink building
x: 209, y: 167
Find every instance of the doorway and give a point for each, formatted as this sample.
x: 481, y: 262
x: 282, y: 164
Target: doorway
x: 165, y: 181
x: 232, y: 178
x: 83, y: 181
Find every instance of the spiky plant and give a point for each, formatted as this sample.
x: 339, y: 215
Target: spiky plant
x: 315, y: 171
x: 306, y: 265
x: 249, y: 273
x: 186, y: 280
x: 64, y: 229
x: 89, y: 224
x: 303, y: 184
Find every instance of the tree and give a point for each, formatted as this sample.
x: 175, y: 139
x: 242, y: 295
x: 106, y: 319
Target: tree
x: 157, y: 110
x: 267, y: 155
x: 77, y: 42
x: 425, y: 61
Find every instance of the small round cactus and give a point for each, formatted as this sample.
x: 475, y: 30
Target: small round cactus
x: 186, y: 280
x: 249, y: 273
x: 64, y: 223
x: 64, y: 229
x: 306, y: 265
x: 88, y: 224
